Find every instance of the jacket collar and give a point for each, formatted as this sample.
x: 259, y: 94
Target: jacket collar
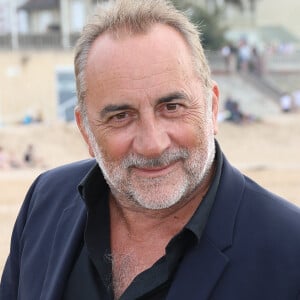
x: 220, y: 227
x: 203, y: 266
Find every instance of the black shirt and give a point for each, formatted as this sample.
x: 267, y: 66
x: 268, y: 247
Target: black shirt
x: 91, y: 276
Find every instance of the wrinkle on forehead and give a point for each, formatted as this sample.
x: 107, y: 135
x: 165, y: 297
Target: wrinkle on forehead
x: 157, y: 78
x: 132, y: 64
x: 140, y: 47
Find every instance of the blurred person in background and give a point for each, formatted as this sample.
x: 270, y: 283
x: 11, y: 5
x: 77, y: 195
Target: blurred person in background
x: 29, y: 156
x: 160, y: 213
x: 4, y: 159
x: 286, y: 102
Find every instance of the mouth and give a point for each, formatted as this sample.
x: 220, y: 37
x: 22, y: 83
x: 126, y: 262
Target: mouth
x: 152, y: 172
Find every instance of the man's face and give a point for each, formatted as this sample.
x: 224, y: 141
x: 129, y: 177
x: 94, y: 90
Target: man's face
x: 151, y: 126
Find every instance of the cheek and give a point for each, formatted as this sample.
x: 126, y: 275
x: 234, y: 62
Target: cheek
x: 198, y: 135
x: 187, y: 135
x: 114, y: 147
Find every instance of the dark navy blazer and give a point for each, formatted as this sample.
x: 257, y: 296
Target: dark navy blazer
x: 250, y: 249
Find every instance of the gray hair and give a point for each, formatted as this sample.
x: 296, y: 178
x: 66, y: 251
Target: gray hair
x: 133, y: 17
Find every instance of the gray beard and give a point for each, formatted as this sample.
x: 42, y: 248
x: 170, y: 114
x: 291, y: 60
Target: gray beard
x: 149, y: 193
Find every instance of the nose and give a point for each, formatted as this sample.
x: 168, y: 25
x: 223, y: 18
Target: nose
x: 151, y: 138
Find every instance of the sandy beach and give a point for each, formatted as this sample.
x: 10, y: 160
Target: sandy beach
x: 267, y: 151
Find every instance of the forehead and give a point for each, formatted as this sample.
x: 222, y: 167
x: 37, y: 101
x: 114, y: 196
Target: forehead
x: 156, y: 58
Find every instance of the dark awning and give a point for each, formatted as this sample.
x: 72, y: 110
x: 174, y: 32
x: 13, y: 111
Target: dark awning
x: 39, y: 4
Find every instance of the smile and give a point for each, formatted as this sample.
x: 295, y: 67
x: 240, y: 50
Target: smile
x: 152, y: 172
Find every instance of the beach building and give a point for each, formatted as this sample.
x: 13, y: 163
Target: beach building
x: 37, y: 39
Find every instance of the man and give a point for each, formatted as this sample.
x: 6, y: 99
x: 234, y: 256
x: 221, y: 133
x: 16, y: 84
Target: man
x: 162, y: 214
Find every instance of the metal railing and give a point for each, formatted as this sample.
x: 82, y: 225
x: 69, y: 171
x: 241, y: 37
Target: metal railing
x: 36, y: 41
x: 54, y: 40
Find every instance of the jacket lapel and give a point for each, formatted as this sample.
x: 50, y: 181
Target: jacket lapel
x: 199, y: 272
x: 68, y: 236
x: 204, y: 265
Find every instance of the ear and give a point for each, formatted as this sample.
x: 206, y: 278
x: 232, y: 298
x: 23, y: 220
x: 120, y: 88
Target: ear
x: 81, y: 126
x: 215, y: 106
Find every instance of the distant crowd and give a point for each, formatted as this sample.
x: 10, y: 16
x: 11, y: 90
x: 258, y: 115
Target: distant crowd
x: 246, y: 57
x: 242, y: 58
x: 29, y: 159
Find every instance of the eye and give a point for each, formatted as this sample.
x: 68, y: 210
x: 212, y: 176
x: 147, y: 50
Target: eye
x: 172, y: 109
x: 121, y: 119
x: 120, y: 116
x: 172, y: 106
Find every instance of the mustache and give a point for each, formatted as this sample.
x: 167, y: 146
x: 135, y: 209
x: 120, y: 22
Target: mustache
x: 168, y: 157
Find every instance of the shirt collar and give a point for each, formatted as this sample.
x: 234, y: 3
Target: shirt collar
x: 93, y: 185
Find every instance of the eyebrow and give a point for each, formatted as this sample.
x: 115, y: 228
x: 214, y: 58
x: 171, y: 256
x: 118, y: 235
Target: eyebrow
x: 165, y: 99
x: 113, y: 108
x: 171, y: 97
